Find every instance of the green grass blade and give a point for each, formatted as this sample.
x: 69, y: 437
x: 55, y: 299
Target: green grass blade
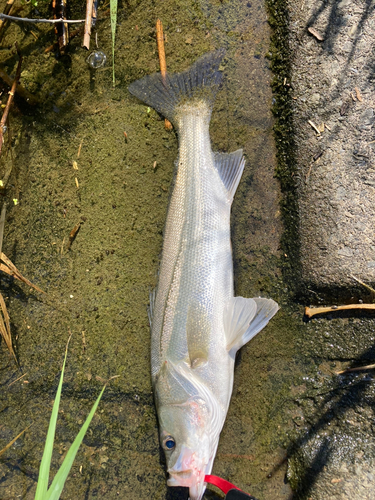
x: 113, y: 10
x: 45, y: 464
x: 58, y: 482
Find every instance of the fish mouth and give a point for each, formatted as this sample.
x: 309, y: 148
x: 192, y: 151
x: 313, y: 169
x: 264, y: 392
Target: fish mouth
x: 190, y: 479
x: 180, y: 478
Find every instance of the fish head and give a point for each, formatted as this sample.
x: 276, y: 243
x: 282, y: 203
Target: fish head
x: 187, y: 443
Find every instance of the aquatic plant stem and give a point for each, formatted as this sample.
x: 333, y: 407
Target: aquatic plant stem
x: 113, y: 10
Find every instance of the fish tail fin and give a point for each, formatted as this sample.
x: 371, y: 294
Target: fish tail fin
x: 165, y: 93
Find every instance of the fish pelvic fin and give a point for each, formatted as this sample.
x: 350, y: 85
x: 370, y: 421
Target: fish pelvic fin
x: 230, y: 167
x: 166, y: 93
x: 244, y: 318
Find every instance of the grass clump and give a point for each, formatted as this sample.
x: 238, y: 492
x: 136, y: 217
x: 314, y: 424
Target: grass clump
x: 54, y: 491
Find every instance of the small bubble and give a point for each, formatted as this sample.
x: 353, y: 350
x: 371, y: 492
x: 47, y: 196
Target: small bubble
x: 96, y: 59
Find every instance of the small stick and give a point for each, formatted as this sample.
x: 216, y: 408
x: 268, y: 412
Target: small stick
x: 20, y: 89
x: 7, y: 9
x: 312, y: 311
x: 162, y: 61
x: 356, y: 369
x: 17, y: 379
x: 14, y: 440
x: 314, y: 126
x: 79, y: 149
x: 88, y: 22
x: 368, y: 287
x: 52, y: 21
x: 10, y: 98
x: 2, y: 224
x: 62, y: 29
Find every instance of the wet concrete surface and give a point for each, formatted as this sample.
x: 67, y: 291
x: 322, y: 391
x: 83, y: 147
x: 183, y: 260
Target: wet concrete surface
x: 332, y: 83
x: 324, y: 77
x: 98, y: 288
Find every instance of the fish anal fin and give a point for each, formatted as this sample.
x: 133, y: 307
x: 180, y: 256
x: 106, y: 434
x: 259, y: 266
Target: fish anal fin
x: 230, y: 167
x: 244, y: 318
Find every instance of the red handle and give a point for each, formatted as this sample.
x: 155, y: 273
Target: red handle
x: 221, y: 483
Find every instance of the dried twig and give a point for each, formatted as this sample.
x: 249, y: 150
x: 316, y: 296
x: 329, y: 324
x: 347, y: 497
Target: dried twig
x: 313, y: 311
x: 368, y: 287
x: 356, y: 369
x: 21, y: 91
x: 162, y: 61
x: 7, y: 9
x: 14, y: 440
x: 51, y: 21
x: 88, y: 22
x: 9, y: 268
x: 17, y: 379
x: 61, y: 29
x: 10, y: 98
x: 5, y: 327
x: 2, y: 224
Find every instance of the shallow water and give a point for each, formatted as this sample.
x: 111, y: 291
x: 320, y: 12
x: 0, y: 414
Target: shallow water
x: 98, y: 288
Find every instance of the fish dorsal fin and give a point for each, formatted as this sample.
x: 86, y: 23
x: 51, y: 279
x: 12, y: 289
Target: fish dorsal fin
x: 244, y: 318
x: 230, y: 167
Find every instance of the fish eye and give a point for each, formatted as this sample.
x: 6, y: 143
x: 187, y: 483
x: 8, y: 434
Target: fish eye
x: 169, y: 443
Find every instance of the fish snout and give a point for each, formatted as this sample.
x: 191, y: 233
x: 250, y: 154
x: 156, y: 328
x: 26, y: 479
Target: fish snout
x: 188, y: 470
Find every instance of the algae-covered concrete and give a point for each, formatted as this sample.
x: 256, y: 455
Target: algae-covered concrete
x: 97, y: 287
x: 332, y: 82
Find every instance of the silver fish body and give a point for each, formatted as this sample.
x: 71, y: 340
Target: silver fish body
x: 197, y: 325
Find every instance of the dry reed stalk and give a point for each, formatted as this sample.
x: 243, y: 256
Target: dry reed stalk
x: 162, y: 60
x: 9, y: 268
x: 7, y: 10
x: 88, y: 22
x: 5, y: 327
x: 10, y: 98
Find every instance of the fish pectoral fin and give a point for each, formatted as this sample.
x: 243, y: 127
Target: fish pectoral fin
x: 230, y: 167
x: 244, y: 318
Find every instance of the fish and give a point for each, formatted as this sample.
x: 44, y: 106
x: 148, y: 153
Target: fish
x: 197, y: 323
